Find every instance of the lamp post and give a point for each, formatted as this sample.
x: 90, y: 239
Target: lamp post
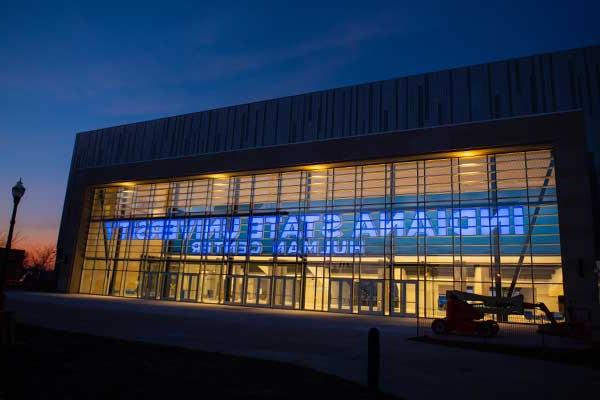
x: 17, y: 193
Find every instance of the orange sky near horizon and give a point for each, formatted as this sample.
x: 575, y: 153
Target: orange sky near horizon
x: 30, y: 237
x: 37, y: 221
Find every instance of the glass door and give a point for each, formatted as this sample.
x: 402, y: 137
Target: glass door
x: 150, y: 285
x: 211, y: 288
x: 235, y: 289
x: 340, y: 295
x: 189, y: 287
x: 371, y: 296
x: 284, y: 292
x: 151, y: 278
x: 170, y: 286
x: 405, y: 298
x: 258, y: 291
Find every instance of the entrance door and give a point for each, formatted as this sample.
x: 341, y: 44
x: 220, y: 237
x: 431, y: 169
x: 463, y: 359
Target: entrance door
x: 284, y: 292
x: 258, y: 291
x: 371, y: 296
x: 340, y: 295
x: 211, y: 288
x: 405, y: 298
x: 236, y: 289
x: 170, y: 286
x: 150, y: 285
x: 189, y: 287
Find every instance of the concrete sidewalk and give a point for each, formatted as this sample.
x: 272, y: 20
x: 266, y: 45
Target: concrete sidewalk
x: 333, y: 343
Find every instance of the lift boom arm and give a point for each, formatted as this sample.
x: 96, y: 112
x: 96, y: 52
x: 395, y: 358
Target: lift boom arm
x: 509, y: 305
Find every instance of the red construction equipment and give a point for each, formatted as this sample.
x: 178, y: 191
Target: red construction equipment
x: 465, y: 312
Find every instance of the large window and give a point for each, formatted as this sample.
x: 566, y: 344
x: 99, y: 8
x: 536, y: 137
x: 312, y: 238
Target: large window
x: 386, y: 238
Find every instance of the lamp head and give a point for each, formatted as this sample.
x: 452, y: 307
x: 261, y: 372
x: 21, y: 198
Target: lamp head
x: 18, y: 191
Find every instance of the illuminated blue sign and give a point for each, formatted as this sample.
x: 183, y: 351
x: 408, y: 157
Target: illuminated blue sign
x: 341, y: 233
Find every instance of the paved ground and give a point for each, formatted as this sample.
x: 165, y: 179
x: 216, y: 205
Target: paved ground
x: 333, y: 343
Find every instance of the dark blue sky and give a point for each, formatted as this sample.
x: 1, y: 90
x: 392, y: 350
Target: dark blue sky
x: 70, y: 67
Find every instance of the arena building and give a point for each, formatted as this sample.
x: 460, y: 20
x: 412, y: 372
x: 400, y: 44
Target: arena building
x: 375, y: 198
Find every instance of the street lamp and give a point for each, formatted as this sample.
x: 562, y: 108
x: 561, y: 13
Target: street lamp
x: 17, y: 193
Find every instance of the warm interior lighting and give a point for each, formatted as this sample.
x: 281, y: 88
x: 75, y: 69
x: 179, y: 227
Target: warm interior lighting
x: 315, y: 167
x: 217, y: 176
x: 469, y: 153
x: 475, y: 260
x: 126, y: 184
x: 405, y: 261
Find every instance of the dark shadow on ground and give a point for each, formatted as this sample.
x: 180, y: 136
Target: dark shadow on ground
x: 49, y: 364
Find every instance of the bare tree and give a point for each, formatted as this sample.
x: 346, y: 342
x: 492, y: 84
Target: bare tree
x: 16, y: 239
x: 41, y: 257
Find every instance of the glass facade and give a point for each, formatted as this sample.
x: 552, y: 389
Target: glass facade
x: 387, y: 238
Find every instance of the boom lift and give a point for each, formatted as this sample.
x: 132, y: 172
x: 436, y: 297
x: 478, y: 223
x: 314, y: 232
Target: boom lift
x: 465, y: 312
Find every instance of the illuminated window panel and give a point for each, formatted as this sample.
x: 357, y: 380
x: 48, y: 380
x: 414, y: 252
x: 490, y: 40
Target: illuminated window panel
x: 334, y: 239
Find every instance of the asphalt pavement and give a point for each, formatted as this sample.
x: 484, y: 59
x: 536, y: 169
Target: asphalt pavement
x: 332, y: 343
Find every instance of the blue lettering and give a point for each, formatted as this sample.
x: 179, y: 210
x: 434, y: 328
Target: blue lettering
x: 290, y: 229
x: 391, y: 224
x: 499, y: 221
x: 464, y: 222
x: 420, y: 225
x: 324, y: 234
x: 331, y: 226
x: 365, y: 226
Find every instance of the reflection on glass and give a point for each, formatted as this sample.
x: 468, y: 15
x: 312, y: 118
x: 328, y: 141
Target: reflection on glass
x: 387, y: 238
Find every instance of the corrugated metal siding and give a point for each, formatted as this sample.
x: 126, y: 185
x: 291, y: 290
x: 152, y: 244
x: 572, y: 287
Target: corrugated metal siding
x: 538, y: 84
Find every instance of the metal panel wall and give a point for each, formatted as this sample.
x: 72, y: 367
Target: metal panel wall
x: 538, y: 84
